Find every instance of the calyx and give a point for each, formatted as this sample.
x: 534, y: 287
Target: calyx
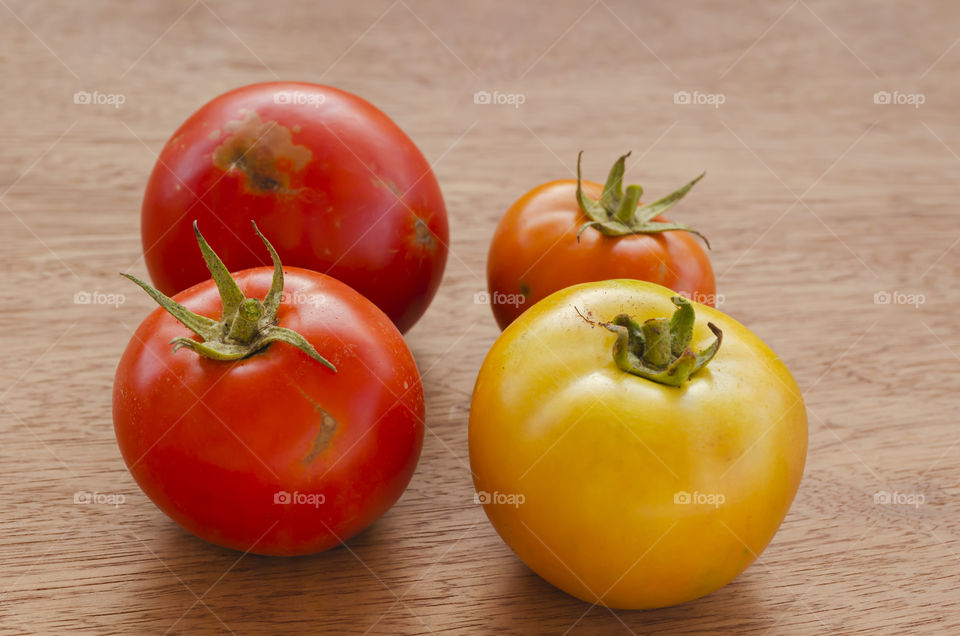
x: 616, y: 213
x: 247, y: 325
x: 659, y: 349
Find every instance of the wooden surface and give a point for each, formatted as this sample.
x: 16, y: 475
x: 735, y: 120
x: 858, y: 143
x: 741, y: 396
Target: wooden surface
x: 815, y: 200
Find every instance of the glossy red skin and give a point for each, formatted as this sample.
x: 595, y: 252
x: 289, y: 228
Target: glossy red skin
x: 211, y: 442
x: 534, y: 252
x: 364, y: 208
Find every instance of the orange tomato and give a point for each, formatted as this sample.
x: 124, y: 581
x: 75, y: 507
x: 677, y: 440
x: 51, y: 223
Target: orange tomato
x: 536, y: 251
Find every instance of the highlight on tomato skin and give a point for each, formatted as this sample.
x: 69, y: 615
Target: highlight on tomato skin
x: 635, y: 449
x: 572, y: 231
x: 275, y: 410
x: 332, y: 180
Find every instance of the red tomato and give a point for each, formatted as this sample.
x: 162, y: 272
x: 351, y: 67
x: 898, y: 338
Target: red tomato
x: 335, y: 184
x: 273, y: 453
x: 541, y: 245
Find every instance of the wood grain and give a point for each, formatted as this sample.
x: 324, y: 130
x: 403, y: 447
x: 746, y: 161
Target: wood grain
x: 816, y: 198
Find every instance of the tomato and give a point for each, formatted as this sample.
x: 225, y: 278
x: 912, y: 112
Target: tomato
x: 573, y: 231
x: 335, y: 183
x: 276, y: 434
x: 618, y: 460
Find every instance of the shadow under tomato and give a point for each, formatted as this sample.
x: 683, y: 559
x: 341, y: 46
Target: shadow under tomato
x: 738, y: 605
x: 340, y: 589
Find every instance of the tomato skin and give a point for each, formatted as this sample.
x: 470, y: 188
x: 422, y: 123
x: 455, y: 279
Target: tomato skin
x: 335, y: 183
x: 213, y: 442
x: 535, y: 252
x: 599, y: 455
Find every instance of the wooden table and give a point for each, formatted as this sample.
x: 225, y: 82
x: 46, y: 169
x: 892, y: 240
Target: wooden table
x: 818, y: 201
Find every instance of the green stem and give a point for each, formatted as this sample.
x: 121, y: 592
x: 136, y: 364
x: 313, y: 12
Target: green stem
x: 247, y: 325
x: 659, y: 349
x: 617, y: 213
x: 656, y: 339
x: 628, y: 205
x: 246, y: 322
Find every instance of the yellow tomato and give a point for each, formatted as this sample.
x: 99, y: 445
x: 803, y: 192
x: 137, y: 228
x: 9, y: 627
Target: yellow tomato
x: 621, y: 490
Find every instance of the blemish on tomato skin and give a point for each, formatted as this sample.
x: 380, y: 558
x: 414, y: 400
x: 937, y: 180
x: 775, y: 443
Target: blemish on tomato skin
x: 327, y: 428
x: 263, y: 152
x: 388, y: 184
x: 423, y: 236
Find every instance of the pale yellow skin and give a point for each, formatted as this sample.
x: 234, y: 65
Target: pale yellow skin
x: 599, y: 455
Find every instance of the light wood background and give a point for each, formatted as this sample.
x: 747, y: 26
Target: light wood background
x: 815, y: 200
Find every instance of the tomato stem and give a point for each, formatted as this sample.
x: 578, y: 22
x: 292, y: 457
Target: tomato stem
x: 247, y: 325
x: 618, y: 214
x: 656, y: 338
x: 659, y: 349
x: 628, y: 205
x: 246, y: 321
